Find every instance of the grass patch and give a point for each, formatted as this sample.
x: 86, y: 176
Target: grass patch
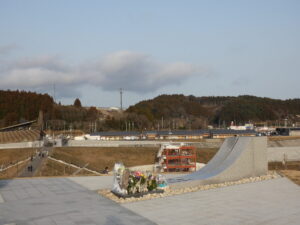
x: 13, y: 171
x: 52, y: 168
x: 204, y: 155
x: 291, y: 170
x: 293, y: 175
x: 98, y: 158
x: 12, y: 156
x: 291, y: 165
x: 282, y: 138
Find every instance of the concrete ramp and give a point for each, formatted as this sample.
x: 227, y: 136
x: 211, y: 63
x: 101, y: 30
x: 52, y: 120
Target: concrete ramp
x: 238, y: 157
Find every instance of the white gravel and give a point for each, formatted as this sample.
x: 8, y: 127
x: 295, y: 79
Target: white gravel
x: 169, y: 192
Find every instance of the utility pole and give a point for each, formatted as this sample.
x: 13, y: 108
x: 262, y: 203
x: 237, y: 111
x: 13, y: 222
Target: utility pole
x: 54, y: 92
x: 285, y: 122
x: 121, y: 100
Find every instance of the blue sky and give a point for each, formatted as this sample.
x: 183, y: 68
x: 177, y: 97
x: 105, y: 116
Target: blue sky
x: 90, y: 49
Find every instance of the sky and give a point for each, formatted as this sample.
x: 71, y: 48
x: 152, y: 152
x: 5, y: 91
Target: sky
x: 89, y: 49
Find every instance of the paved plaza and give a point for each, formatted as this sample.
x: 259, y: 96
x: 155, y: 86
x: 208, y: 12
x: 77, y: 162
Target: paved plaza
x: 73, y: 201
x: 271, y: 202
x: 59, y: 201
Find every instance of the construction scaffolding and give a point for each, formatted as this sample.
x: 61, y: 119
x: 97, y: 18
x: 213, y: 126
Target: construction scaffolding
x: 173, y: 158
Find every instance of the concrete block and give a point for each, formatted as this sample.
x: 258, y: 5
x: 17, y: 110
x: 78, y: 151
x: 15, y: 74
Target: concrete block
x: 238, y: 157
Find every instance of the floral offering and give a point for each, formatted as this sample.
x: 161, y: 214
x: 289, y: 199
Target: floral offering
x: 129, y: 183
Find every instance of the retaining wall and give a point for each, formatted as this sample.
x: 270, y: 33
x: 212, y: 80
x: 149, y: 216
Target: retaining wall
x: 94, y: 143
x: 278, y: 154
x: 31, y: 144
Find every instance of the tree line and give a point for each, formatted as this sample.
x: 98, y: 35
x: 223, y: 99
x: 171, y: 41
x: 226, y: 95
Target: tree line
x: 163, y: 112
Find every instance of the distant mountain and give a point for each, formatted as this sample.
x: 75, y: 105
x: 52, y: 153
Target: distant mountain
x: 181, y: 111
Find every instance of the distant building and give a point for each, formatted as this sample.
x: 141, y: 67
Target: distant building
x: 289, y: 131
x: 167, y: 135
x: 223, y: 133
x: 115, y: 135
x: 247, y: 126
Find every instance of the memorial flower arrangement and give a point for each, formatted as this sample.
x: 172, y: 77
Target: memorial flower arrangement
x: 128, y: 182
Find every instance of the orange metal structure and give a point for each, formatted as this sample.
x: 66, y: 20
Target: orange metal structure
x: 182, y: 158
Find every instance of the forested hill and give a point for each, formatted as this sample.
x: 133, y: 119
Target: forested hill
x: 21, y: 106
x: 162, y: 112
x: 216, y: 110
x: 18, y: 106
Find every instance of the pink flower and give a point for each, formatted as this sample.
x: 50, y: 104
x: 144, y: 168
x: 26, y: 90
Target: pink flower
x: 137, y: 173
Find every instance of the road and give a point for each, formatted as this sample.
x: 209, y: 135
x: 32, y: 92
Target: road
x: 36, y: 162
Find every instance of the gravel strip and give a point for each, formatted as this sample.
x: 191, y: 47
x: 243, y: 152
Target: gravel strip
x: 169, y: 192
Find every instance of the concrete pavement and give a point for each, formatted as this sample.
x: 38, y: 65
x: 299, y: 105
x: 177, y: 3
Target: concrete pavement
x: 48, y: 201
x: 71, y: 201
x: 36, y: 162
x: 268, y: 202
x: 94, y: 183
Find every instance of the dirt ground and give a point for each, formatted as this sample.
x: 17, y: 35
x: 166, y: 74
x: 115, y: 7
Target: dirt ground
x: 291, y: 170
x: 293, y: 175
x: 13, y: 171
x: 99, y: 158
x: 11, y: 156
x: 292, y: 165
x: 282, y: 138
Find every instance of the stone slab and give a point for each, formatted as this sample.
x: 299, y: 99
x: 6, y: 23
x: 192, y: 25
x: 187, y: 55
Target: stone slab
x: 102, y: 182
x: 64, y: 201
x: 269, y: 202
x: 277, y: 154
x: 59, y: 201
x: 238, y: 158
x: 1, y: 199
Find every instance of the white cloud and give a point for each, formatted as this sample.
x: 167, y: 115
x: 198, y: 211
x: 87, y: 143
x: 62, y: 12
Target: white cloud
x: 132, y: 71
x: 6, y: 49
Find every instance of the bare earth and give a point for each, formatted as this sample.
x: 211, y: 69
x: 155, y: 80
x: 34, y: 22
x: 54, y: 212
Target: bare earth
x: 99, y: 158
x: 52, y: 168
x: 293, y: 175
x: 12, y: 156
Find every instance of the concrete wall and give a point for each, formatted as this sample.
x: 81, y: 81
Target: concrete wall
x: 34, y: 144
x: 94, y: 143
x: 277, y: 154
x: 238, y: 157
x: 284, y: 143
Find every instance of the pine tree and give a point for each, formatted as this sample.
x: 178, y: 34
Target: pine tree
x: 77, y: 103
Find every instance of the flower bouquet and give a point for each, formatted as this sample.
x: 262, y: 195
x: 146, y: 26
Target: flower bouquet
x: 136, y: 183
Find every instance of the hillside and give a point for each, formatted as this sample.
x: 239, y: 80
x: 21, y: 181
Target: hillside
x: 162, y: 112
x: 18, y: 106
x: 181, y: 111
x: 21, y: 106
